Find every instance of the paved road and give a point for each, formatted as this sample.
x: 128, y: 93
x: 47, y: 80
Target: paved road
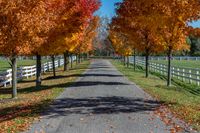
x: 101, y: 101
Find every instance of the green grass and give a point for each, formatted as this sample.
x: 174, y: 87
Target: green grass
x: 4, y: 64
x: 182, y: 99
x: 181, y: 63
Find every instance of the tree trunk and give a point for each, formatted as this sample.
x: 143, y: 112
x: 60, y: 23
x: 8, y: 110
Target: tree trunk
x: 134, y: 60
x: 147, y: 65
x: 76, y: 59
x: 65, y: 61
x: 71, y: 56
x: 14, y: 76
x: 79, y: 58
x: 124, y: 60
x: 169, y: 74
x: 59, y: 62
x: 88, y: 56
x: 38, y: 71
x: 53, y: 63
x: 128, y: 61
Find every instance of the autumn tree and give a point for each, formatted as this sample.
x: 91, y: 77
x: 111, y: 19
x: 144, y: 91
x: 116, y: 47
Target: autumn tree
x: 41, y: 27
x: 159, y: 25
x: 131, y: 19
x: 69, y: 19
x: 89, y: 34
x: 16, y: 21
x: 122, y: 45
x: 71, y: 27
x: 175, y: 15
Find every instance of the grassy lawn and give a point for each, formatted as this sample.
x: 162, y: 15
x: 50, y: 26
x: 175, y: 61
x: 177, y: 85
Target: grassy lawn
x: 4, y: 64
x: 17, y: 115
x: 182, y: 63
x: 185, y: 98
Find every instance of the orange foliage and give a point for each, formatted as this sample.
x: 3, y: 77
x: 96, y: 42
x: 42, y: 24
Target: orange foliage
x: 43, y: 27
x: 156, y: 25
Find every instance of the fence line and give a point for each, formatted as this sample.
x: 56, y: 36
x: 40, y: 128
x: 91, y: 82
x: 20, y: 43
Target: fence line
x: 29, y: 57
x: 173, y: 58
x: 29, y: 71
x: 188, y: 75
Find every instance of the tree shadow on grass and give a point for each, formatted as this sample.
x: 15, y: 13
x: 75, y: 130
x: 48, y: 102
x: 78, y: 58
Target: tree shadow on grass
x: 29, y: 110
x: 67, y: 106
x: 8, y: 90
x: 179, y: 85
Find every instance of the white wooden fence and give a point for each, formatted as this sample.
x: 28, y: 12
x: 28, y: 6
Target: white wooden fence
x: 173, y: 58
x: 28, y: 71
x: 188, y: 75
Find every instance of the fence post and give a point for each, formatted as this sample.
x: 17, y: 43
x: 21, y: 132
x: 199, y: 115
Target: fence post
x: 161, y: 72
x: 5, y: 84
x: 26, y: 73
x: 10, y: 73
x: 154, y: 67
x: 43, y: 68
x: 190, y: 76
x: 31, y: 71
x: 49, y: 65
x: 178, y: 74
x: 48, y: 68
x: 183, y: 75
x: 157, y: 68
x: 197, y: 77
x: 59, y: 63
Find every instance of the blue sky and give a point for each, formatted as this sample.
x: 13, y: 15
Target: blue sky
x: 108, y: 9
x: 196, y: 24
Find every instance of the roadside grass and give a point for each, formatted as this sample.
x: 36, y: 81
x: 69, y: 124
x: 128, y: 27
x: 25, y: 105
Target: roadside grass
x: 181, y: 63
x: 17, y: 115
x: 4, y: 64
x: 185, y: 97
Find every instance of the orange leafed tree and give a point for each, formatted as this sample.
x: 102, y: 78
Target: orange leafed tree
x: 121, y: 44
x: 71, y: 26
x: 19, y: 28
x: 69, y: 19
x: 30, y: 27
x: 158, y: 25
x: 175, y: 15
x: 132, y: 18
x: 85, y: 46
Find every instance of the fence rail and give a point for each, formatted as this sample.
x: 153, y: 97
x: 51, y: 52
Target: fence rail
x: 173, y: 58
x: 188, y: 75
x: 28, y: 71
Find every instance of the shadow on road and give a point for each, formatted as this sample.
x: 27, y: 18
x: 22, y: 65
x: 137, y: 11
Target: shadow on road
x: 88, y: 106
x: 83, y: 75
x: 100, y: 105
x: 95, y: 83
